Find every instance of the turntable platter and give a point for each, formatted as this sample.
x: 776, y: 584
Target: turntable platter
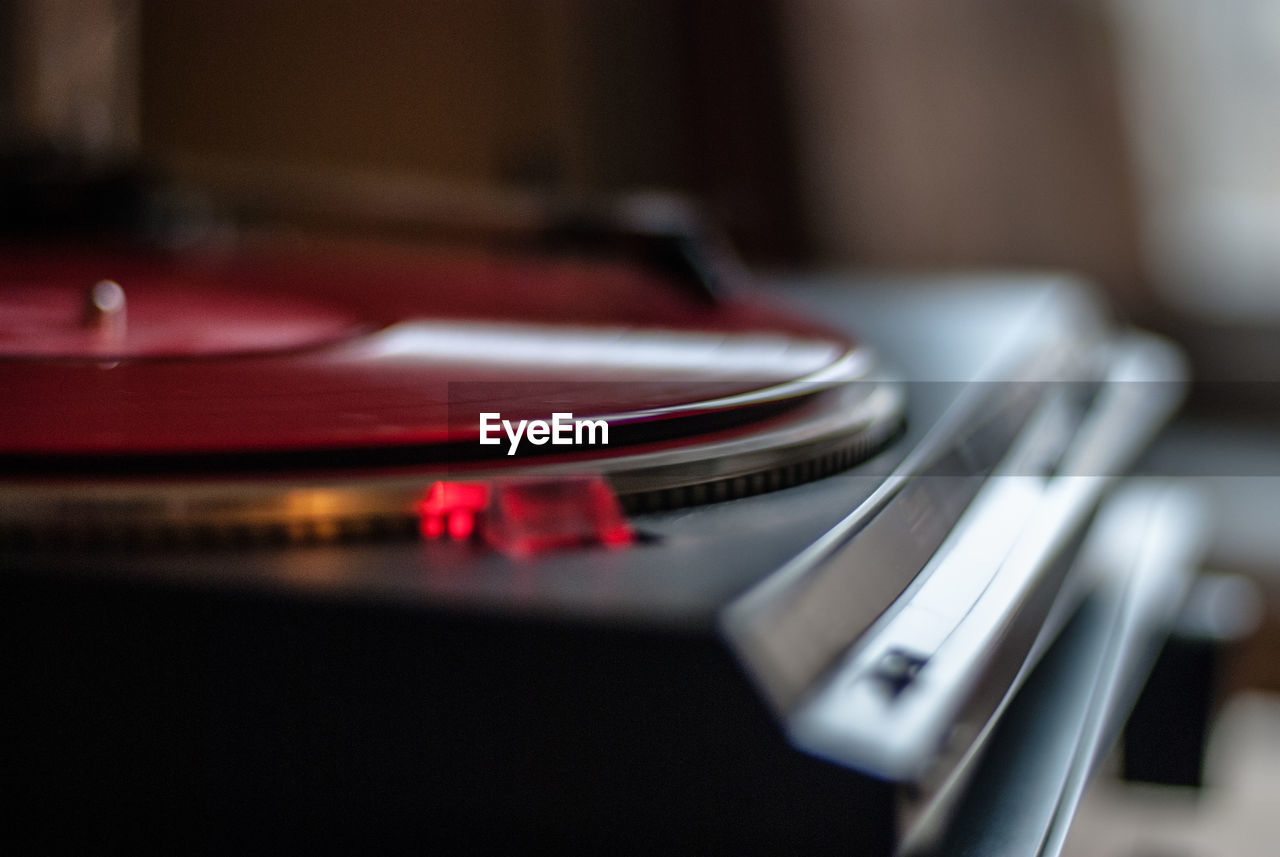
x: 374, y: 371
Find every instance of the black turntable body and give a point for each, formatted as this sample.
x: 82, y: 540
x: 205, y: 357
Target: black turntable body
x: 810, y: 669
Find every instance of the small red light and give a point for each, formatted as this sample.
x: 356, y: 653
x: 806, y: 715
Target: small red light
x: 528, y: 516
x: 461, y: 524
x: 451, y: 507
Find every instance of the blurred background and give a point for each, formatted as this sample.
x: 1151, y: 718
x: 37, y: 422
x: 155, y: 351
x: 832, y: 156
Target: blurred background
x: 1132, y: 141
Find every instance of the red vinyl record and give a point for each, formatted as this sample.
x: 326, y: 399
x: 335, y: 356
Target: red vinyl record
x: 128, y: 353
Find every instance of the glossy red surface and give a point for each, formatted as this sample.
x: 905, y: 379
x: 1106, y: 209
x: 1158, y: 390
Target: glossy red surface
x: 336, y: 350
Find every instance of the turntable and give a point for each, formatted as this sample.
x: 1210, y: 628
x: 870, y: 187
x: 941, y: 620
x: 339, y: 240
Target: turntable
x: 273, y: 575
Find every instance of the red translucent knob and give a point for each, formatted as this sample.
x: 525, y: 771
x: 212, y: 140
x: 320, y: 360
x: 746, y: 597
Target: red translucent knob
x: 528, y: 516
